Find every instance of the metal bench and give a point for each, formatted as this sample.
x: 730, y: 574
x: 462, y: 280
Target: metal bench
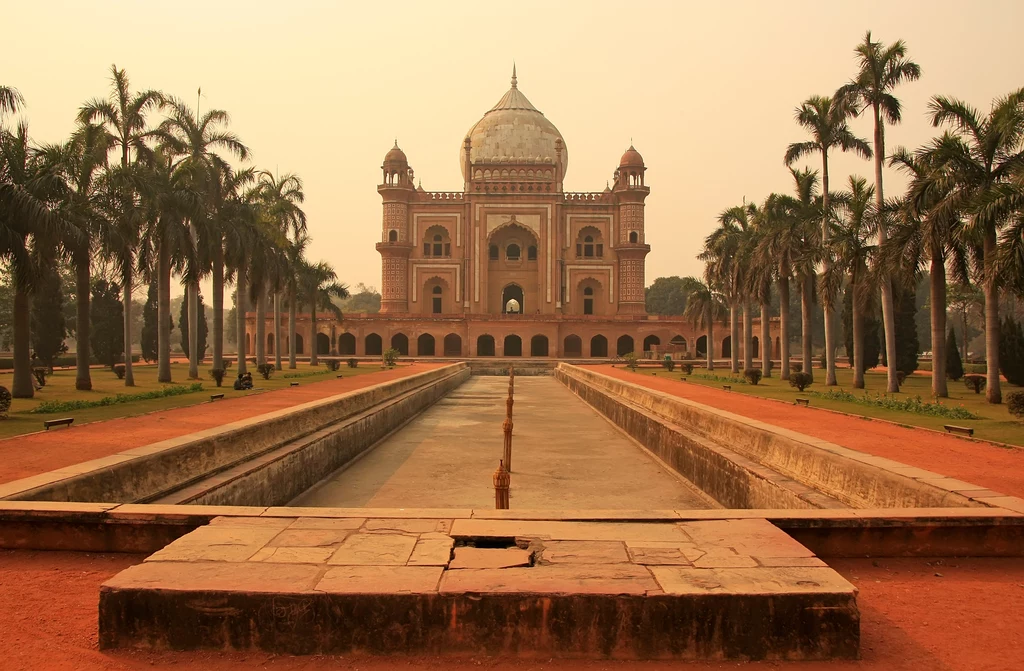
x: 214, y: 397
x: 294, y: 384
x: 961, y: 430
x: 63, y: 421
x: 806, y: 402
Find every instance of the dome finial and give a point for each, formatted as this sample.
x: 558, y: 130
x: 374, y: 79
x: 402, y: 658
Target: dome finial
x: 396, y: 143
x: 514, y: 75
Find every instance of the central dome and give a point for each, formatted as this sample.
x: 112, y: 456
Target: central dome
x: 514, y: 131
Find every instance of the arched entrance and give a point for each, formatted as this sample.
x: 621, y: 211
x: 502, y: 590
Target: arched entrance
x: 270, y: 343
x: 452, y: 345
x: 374, y: 345
x: 400, y: 341
x: 727, y: 347
x: 702, y: 346
x: 624, y: 345
x: 346, y: 344
x: 298, y: 343
x: 573, y: 346
x: 323, y: 343
x: 425, y: 345
x: 539, y: 345
x: 755, y: 347
x: 512, y: 292
x: 513, y: 346
x: 485, y: 345
x: 599, y: 346
x: 650, y: 342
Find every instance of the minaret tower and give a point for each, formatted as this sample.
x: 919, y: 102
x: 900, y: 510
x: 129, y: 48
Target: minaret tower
x: 395, y: 246
x: 630, y: 192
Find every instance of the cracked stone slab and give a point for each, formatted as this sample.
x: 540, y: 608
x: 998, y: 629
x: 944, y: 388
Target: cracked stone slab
x: 751, y: 581
x: 432, y: 551
x: 380, y: 579
x: 584, y: 552
x: 376, y: 549
x: 490, y: 558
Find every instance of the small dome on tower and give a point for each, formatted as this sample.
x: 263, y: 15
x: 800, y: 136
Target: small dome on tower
x: 631, y: 159
x: 395, y: 155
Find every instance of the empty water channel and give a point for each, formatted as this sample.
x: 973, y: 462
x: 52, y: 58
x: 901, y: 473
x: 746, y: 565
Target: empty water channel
x: 581, y: 440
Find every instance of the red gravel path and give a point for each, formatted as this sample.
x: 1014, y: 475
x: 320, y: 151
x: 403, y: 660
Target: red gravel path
x: 969, y: 619
x: 23, y: 456
x: 997, y: 468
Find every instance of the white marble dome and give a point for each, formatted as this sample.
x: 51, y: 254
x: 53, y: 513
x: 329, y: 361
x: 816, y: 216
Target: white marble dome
x: 515, y: 132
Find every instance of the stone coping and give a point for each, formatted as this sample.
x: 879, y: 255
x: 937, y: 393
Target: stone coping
x: 956, y: 488
x: 25, y: 487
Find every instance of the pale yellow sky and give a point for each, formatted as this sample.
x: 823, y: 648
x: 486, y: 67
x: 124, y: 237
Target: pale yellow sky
x: 706, y: 90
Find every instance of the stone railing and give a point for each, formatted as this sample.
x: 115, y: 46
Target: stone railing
x: 443, y: 195
x: 585, y: 196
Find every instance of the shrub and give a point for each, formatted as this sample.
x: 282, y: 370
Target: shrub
x: 975, y: 382
x: 353, y: 363
x: 801, y: 380
x: 954, y: 365
x: 227, y: 362
x: 796, y: 367
x: 901, y: 377
x: 1011, y: 351
x: 119, y: 371
x: 669, y: 364
x: 914, y: 405
x: 686, y: 368
x: 218, y: 375
x: 265, y: 369
x: 1014, y: 403
x: 390, y: 356
x: 332, y: 364
x: 67, y: 406
x: 753, y: 375
x: 5, y: 402
x: 631, y: 360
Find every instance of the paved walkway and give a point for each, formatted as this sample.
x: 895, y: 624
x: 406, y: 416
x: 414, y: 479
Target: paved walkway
x: 24, y: 456
x: 565, y: 456
x: 997, y: 468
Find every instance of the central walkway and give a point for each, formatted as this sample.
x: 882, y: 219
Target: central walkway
x: 565, y: 456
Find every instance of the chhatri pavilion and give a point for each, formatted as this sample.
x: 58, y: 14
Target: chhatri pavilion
x: 511, y: 264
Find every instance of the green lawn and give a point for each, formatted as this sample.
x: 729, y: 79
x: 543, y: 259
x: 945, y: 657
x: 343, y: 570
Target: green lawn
x: 61, y: 386
x: 996, y: 422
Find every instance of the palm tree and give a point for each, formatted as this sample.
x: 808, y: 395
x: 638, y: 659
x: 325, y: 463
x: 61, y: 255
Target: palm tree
x: 195, y: 140
x: 321, y: 286
x: 10, y: 100
x: 724, y: 252
x: 978, y: 159
x: 296, y: 257
x: 761, y: 273
x: 704, y: 305
x: 228, y: 229
x: 124, y: 116
x: 882, y: 69
x: 825, y: 118
x: 849, y: 244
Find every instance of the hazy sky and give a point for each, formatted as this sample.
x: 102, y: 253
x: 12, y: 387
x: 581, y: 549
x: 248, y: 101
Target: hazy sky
x: 706, y: 90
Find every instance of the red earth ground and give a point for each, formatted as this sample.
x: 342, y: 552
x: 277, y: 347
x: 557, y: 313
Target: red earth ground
x: 23, y: 456
x: 997, y: 468
x: 916, y: 615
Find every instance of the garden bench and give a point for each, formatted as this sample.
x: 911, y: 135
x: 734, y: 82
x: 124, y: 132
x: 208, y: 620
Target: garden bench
x: 63, y: 421
x: 806, y: 402
x: 294, y: 384
x: 340, y: 376
x: 682, y: 379
x: 962, y: 430
x: 727, y: 387
x: 214, y: 397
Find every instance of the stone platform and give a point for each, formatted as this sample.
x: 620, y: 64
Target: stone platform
x: 298, y: 584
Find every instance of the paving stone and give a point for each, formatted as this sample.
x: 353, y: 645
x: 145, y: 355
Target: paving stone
x: 398, y: 513
x: 569, y: 531
x: 789, y: 561
x: 724, y: 561
x: 747, y: 537
x: 380, y: 579
x: 219, y: 576
x: 672, y: 555
x: 757, y: 581
x: 148, y: 511
x: 229, y: 544
x: 297, y: 538
x: 584, y: 552
x: 374, y: 550
x: 350, y: 523
x: 416, y: 526
x: 432, y: 551
x: 563, y: 579
x: 293, y: 555
x: 489, y: 558
x: 268, y: 522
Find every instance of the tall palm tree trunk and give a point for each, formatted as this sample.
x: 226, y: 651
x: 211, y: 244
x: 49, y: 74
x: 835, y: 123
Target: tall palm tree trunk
x: 806, y: 327
x: 993, y: 391
x: 711, y: 338
x: 857, y: 309
x: 938, y: 314
x: 261, y: 328
x: 240, y: 318
x: 126, y: 304
x: 83, y: 381
x: 826, y: 303
x: 22, y: 386
x: 748, y: 337
x: 784, y: 326
x: 766, y: 340
x: 277, y: 330
x: 193, y: 330
x: 291, y: 328
x: 888, y: 310
x: 313, y: 345
x: 218, y: 306
x: 163, y: 314
x: 734, y: 338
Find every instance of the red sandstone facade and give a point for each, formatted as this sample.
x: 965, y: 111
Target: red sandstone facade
x: 512, y: 265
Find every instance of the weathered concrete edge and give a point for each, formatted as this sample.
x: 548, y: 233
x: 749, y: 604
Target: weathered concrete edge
x: 45, y: 484
x: 952, y: 486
